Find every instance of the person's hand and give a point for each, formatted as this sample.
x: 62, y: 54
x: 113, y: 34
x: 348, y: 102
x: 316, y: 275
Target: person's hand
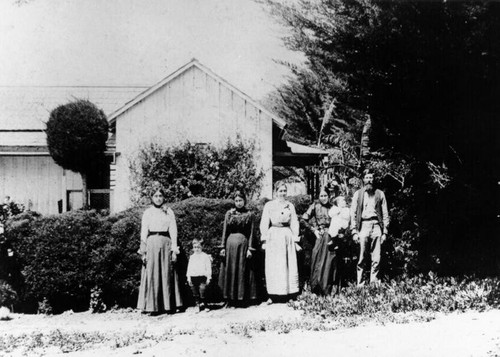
x: 144, y: 259
x: 298, y: 248
x: 174, y: 257
x: 316, y: 233
x: 189, y: 281
x: 355, y: 237
x: 249, y: 254
x: 222, y: 253
x: 208, y: 281
x: 263, y: 246
x: 383, y: 238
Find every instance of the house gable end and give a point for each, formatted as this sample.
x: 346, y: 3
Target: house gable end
x: 175, y: 75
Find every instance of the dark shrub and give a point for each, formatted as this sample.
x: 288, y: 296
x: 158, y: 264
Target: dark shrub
x: 64, y: 259
x: 16, y: 228
x: 55, y: 255
x: 116, y: 266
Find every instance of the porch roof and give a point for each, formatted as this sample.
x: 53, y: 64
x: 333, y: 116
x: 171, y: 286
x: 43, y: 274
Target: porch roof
x: 298, y: 155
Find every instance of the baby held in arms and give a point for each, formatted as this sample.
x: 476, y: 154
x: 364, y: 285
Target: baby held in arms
x: 341, y: 218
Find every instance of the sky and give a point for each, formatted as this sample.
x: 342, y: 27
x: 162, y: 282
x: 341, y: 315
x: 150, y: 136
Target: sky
x: 137, y: 42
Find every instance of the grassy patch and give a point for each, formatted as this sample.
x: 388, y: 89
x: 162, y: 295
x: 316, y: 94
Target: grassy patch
x: 399, y: 301
x: 247, y: 329
x: 320, y: 323
x: 403, y: 300
x: 66, y: 342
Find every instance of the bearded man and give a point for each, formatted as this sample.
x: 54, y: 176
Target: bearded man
x: 369, y: 222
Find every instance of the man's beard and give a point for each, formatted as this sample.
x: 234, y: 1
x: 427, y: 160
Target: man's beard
x: 369, y: 187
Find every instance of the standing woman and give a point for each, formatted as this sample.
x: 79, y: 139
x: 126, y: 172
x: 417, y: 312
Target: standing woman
x: 159, y: 290
x: 237, y: 276
x: 323, y: 257
x: 279, y: 229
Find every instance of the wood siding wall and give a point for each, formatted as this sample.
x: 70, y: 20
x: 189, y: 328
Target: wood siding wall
x: 36, y: 181
x: 196, y: 107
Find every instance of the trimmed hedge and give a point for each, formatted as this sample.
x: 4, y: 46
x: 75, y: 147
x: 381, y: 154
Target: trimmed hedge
x: 55, y: 254
x: 64, y: 257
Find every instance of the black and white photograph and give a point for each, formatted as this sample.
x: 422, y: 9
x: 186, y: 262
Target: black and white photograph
x: 250, y: 178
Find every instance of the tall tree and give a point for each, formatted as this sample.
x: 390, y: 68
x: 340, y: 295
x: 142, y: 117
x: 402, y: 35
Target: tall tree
x: 76, y: 136
x: 427, y: 76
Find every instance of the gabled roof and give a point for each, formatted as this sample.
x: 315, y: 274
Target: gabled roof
x: 193, y: 63
x: 28, y: 107
x: 30, y: 137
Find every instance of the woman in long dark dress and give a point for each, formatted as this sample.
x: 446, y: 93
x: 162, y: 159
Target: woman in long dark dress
x: 159, y: 289
x: 323, y: 257
x: 237, y: 275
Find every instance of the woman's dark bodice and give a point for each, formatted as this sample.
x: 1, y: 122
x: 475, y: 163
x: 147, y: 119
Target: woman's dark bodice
x: 317, y: 216
x: 239, y: 222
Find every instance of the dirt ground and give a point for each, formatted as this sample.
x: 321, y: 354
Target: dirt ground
x: 222, y: 333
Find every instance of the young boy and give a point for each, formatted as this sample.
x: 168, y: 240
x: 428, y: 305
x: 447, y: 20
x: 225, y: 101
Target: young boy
x: 199, y: 273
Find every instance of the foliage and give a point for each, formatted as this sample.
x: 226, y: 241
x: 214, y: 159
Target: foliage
x: 8, y: 296
x: 7, y: 210
x: 62, y: 258
x: 55, y: 256
x: 37, y: 343
x: 116, y: 266
x: 404, y: 295
x: 189, y: 170
x: 280, y: 326
x: 77, y: 134
x: 390, y: 58
x: 96, y: 302
x: 44, y: 307
x: 400, y: 76
x: 80, y: 259
x: 9, y: 268
x: 76, y: 137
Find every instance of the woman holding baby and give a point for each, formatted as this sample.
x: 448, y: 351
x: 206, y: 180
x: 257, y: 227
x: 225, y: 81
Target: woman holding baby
x: 328, y: 223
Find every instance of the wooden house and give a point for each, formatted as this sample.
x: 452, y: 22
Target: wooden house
x: 27, y: 172
x: 196, y: 104
x: 193, y: 103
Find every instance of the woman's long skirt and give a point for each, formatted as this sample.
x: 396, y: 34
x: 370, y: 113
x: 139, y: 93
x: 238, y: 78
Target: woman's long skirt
x: 159, y: 290
x: 237, y: 279
x: 324, y: 266
x: 282, y: 277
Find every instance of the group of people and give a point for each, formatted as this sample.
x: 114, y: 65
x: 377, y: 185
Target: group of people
x: 331, y: 221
